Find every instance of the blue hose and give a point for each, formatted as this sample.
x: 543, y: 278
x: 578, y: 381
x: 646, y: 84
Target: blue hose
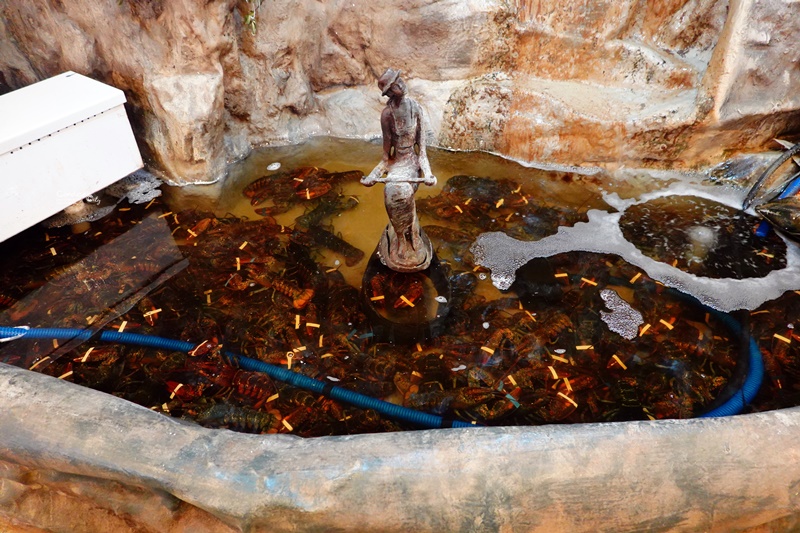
x: 755, y: 375
x: 752, y: 383
x: 793, y: 187
x: 734, y: 405
x: 362, y: 401
x: 755, y: 372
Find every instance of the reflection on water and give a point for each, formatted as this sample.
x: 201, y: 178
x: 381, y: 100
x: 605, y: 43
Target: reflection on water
x: 87, y: 294
x: 282, y: 285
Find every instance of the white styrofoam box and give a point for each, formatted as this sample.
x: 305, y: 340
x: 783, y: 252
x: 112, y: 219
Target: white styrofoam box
x: 61, y: 140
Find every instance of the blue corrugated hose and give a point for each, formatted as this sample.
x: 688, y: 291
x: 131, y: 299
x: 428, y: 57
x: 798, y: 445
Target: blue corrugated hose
x: 397, y: 412
x: 734, y: 405
x: 755, y: 373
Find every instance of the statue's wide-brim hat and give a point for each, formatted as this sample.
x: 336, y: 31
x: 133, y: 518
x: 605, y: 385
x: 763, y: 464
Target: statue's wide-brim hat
x: 389, y: 77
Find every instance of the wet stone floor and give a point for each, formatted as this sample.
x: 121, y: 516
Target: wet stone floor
x: 272, y: 270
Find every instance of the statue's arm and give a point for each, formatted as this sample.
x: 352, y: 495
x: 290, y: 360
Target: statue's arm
x: 386, y: 129
x: 424, y: 164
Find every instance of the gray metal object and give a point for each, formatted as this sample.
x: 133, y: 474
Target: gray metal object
x: 784, y: 214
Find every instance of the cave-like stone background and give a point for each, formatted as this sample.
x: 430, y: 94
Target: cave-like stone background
x: 676, y: 83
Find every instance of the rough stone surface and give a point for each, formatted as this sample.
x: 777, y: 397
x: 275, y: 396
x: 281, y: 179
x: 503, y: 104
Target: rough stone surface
x: 757, y: 33
x: 477, y: 112
x: 36, y: 499
x: 104, y: 459
x: 668, y: 83
x: 135, y: 46
x: 191, y: 125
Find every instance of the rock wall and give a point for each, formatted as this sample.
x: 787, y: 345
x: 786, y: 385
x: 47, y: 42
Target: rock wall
x: 92, y: 462
x: 670, y: 83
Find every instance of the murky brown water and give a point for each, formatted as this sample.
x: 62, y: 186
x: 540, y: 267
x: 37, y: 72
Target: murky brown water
x: 287, y: 293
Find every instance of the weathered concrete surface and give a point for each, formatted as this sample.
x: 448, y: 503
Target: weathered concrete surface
x: 753, y: 77
x: 35, y: 499
x: 63, y: 448
x: 668, y: 83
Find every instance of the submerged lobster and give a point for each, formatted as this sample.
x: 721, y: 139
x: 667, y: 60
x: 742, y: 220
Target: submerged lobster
x: 252, y: 386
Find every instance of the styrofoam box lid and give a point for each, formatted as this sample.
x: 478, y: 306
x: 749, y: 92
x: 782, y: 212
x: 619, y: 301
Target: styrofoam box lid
x: 42, y: 108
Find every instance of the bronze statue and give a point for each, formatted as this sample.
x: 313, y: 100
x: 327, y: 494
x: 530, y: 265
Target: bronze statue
x: 404, y: 247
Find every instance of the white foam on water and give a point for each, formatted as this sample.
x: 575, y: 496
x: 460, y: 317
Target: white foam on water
x: 139, y: 187
x: 623, y: 318
x: 503, y: 255
x: 702, y: 240
x: 538, y: 165
x: 729, y: 196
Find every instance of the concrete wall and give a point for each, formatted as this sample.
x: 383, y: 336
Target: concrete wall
x: 74, y: 459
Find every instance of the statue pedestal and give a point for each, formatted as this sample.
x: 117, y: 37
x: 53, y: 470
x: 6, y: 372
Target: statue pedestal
x: 419, y: 262
x: 405, y: 307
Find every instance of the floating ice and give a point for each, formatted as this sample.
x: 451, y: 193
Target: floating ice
x: 503, y: 255
x: 623, y: 318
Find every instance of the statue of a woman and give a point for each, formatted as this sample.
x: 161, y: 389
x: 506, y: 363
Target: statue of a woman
x: 404, y: 247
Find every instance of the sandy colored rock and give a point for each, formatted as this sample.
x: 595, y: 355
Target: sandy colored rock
x: 33, y: 499
x: 190, y: 109
x: 602, y: 20
x: 676, y: 83
x: 476, y: 114
x: 761, y: 44
x: 131, y: 45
